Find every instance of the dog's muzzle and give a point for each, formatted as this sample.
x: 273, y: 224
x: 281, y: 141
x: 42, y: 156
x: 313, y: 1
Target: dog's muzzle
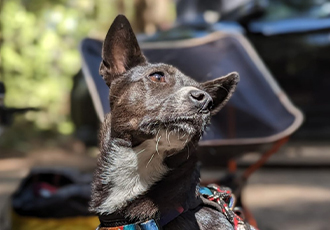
x: 201, y: 100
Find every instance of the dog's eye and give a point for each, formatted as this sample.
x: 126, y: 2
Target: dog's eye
x: 157, y: 77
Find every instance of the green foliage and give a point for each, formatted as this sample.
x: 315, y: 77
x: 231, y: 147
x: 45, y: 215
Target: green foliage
x: 40, y: 53
x: 39, y: 57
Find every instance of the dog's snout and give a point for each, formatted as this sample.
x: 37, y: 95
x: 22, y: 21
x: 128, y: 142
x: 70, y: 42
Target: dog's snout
x: 197, y: 95
x: 201, y: 99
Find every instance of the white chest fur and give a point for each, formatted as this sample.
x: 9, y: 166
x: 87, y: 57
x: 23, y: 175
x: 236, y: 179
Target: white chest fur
x: 131, y: 171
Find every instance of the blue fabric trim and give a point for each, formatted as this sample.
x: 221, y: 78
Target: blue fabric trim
x: 130, y: 227
x: 149, y: 225
x: 205, y: 191
x: 231, y: 202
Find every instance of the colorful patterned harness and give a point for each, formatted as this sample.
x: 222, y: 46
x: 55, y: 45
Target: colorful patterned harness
x: 226, y: 205
x: 148, y: 225
x: 221, y: 199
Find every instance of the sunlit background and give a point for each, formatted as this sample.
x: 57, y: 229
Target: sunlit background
x: 40, y: 66
x: 39, y: 55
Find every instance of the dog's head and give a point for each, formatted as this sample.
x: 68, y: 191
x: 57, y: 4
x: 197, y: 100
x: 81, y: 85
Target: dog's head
x: 148, y: 98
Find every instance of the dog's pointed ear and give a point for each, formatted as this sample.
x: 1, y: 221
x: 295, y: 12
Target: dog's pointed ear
x: 221, y: 89
x: 120, y: 51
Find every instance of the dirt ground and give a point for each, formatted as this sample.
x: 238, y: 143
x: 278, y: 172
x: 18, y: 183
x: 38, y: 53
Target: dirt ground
x: 290, y: 199
x: 279, y: 198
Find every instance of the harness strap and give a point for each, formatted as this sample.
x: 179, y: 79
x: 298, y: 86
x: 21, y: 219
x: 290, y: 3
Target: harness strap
x: 117, y: 221
x: 221, y: 199
x: 213, y: 196
x: 147, y: 225
x: 114, y: 220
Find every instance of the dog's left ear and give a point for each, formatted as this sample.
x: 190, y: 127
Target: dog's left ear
x: 221, y: 89
x: 120, y: 51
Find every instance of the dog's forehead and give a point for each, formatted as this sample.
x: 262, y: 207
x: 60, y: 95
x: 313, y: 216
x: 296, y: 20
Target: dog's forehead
x: 173, y: 74
x: 163, y: 67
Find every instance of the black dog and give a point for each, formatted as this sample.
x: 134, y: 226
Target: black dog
x: 147, y: 169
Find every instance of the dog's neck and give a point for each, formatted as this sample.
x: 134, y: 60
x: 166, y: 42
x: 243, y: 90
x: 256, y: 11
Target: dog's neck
x: 128, y: 179
x: 177, y: 188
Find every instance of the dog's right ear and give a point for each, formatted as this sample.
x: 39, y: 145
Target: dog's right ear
x: 221, y: 89
x: 120, y: 51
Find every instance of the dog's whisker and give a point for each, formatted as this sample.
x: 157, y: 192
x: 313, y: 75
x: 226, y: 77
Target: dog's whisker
x: 157, y: 144
x: 183, y: 136
x: 186, y: 140
x: 224, y: 89
x: 188, y: 152
x: 166, y: 137
x: 157, y: 134
x: 141, y: 151
x: 115, y: 96
x: 169, y: 137
x: 152, y: 156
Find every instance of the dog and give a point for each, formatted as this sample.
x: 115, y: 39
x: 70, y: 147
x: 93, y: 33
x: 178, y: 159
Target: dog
x: 147, y: 169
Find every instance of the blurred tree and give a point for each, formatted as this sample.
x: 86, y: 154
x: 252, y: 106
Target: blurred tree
x: 39, y: 42
x: 39, y: 54
x: 151, y: 15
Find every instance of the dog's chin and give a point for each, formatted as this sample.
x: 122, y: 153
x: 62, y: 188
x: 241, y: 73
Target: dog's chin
x: 190, y: 125
x: 182, y: 126
x: 185, y: 128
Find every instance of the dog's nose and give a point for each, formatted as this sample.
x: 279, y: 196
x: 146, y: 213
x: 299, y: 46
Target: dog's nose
x: 202, y: 100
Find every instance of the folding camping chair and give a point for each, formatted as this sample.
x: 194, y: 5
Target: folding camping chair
x: 259, y: 117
